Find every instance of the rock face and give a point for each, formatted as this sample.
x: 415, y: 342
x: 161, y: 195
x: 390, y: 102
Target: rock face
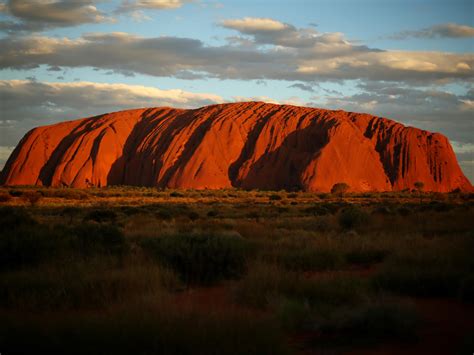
x: 247, y: 145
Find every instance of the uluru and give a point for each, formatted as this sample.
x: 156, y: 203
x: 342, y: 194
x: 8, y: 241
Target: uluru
x: 251, y: 145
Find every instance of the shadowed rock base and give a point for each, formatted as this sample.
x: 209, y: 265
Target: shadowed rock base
x: 250, y: 145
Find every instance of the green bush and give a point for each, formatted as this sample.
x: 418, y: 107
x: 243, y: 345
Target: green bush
x: 427, y: 281
x: 202, y: 258
x: 294, y: 314
x: 193, y: 215
x: 374, y: 323
x: 16, y: 193
x: 27, y: 245
x: 266, y: 282
x: 366, y: 256
x: 32, y: 197
x: 275, y: 197
x: 353, y: 217
x: 318, y: 210
x: 212, y: 213
x: 5, y: 197
x: 94, y: 284
x: 307, y: 259
x: 93, y: 239
x: 466, y: 289
x: 101, y: 216
x: 13, y: 217
x: 165, y: 329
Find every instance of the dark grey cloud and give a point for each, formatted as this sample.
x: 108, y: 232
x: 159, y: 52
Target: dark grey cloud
x: 38, y: 15
x: 428, y: 108
x: 445, y: 30
x: 302, y: 86
x: 330, y: 58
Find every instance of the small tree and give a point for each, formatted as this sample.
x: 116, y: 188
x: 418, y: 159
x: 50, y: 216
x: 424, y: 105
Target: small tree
x: 340, y: 189
x: 419, y: 186
x: 32, y: 197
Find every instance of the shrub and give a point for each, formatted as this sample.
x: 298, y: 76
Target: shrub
x: 466, y: 289
x: 266, y: 282
x: 193, y: 215
x: 353, y: 217
x: 92, y: 239
x: 13, y: 217
x: 421, y: 280
x: 27, y: 245
x: 94, y: 284
x: 163, y: 328
x: 4, y: 197
x: 212, y: 213
x: 275, y: 197
x: 101, y: 216
x: 340, y: 189
x: 202, y: 258
x: 33, y: 197
x: 366, y: 256
x: 375, y: 322
x: 15, y: 193
x: 306, y: 259
x: 404, y: 211
x: 317, y: 210
x: 176, y: 194
x: 294, y: 314
x: 70, y: 212
x: 164, y: 215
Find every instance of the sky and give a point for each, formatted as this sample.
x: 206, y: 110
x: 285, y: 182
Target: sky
x: 408, y: 60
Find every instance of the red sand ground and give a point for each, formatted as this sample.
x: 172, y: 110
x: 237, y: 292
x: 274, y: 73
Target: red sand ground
x: 247, y: 145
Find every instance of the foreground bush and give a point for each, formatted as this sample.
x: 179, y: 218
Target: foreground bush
x: 353, y: 217
x: 202, y: 258
x: 374, y: 322
x: 306, y: 259
x: 27, y: 245
x: 157, y: 328
x: 266, y: 283
x: 83, y: 285
x: 92, y: 239
x: 24, y: 242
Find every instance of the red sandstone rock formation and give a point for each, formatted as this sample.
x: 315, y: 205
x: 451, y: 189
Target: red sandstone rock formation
x: 247, y: 145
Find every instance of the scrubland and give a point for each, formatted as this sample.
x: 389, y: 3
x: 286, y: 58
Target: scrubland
x: 125, y: 270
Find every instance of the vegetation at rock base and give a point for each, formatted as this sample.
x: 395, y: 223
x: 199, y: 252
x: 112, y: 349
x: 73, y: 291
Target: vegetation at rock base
x: 129, y: 269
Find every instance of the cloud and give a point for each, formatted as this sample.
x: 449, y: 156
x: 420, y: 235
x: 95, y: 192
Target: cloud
x: 431, y: 109
x: 270, y: 31
x: 26, y: 104
x: 445, y: 30
x: 302, y: 86
x: 328, y: 57
x: 253, y: 25
x: 465, y: 155
x: 44, y: 14
x: 4, y: 154
x: 134, y: 5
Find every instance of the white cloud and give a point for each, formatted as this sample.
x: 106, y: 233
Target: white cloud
x: 254, y: 24
x: 39, y: 15
x: 134, y: 5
